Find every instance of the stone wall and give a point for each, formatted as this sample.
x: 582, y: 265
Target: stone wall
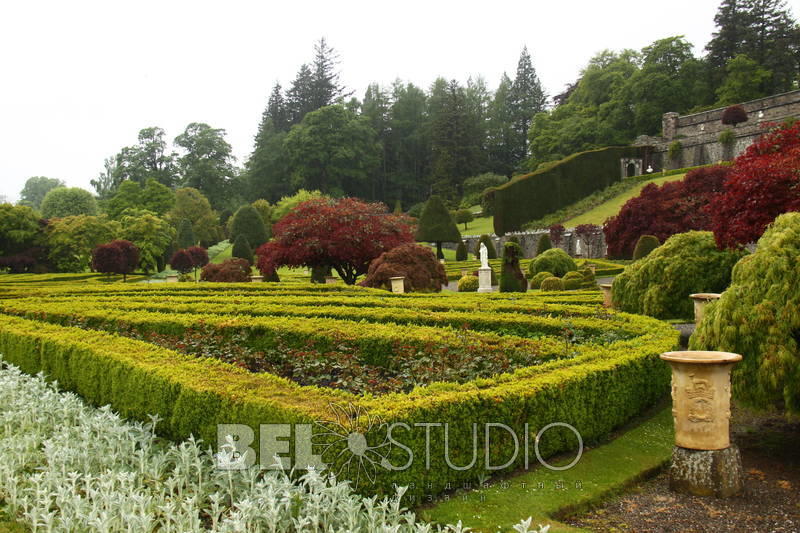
x: 699, y: 133
x: 528, y: 241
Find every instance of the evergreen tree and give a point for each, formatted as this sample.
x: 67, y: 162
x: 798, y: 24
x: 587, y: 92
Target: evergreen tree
x: 299, y: 97
x: 409, y: 140
x: 436, y: 225
x: 500, y: 134
x: 461, y: 252
x: 247, y: 222
x: 277, y: 110
x: 375, y: 109
x: 241, y: 248
x: 544, y: 244
x: 326, y: 87
x: 185, y: 236
x: 527, y: 99
x: 267, y: 169
x: 511, y: 277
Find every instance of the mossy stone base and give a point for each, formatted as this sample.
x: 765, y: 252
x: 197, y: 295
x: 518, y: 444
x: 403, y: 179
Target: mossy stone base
x: 706, y: 472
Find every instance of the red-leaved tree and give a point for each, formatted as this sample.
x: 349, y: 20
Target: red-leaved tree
x: 675, y: 207
x: 416, y: 263
x: 344, y: 234
x: 116, y: 257
x: 233, y: 270
x: 182, y: 261
x: 556, y: 234
x: 764, y: 182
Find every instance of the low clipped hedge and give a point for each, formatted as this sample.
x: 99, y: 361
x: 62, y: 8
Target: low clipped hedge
x: 659, y: 285
x: 554, y: 260
x: 758, y: 316
x: 538, y: 278
x: 552, y: 284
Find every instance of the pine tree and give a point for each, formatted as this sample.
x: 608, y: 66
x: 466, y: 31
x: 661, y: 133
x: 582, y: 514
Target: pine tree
x: 300, y: 97
x: 277, y: 110
x: 527, y: 99
x: 500, y: 134
x: 326, y: 87
x: 436, y: 225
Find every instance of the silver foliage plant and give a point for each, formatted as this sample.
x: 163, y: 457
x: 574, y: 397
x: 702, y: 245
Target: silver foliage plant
x: 65, y: 466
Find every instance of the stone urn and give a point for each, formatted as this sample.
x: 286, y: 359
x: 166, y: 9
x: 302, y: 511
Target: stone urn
x: 256, y: 278
x: 700, y: 300
x: 172, y: 278
x: 398, y: 287
x: 607, y: 299
x: 704, y: 462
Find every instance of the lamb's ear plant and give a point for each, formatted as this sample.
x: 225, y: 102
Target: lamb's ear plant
x: 65, y: 466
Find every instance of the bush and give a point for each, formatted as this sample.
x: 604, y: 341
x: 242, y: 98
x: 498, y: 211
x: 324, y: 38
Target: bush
x: 557, y: 234
x: 645, y: 245
x: 537, y: 279
x: 589, y: 281
x: 558, y: 185
x: 727, y: 138
x: 416, y: 263
x: 461, y: 252
x: 68, y: 201
x: 660, y: 284
x: 734, y: 115
x: 241, y: 248
x: 552, y: 284
x: 490, y: 249
x: 247, y: 221
x: 554, y: 260
x: 573, y: 275
x: 182, y: 262
x: 511, y: 277
x: 468, y: 284
x: 544, y: 244
x: 116, y: 257
x: 233, y: 270
x: 572, y: 284
x: 758, y: 317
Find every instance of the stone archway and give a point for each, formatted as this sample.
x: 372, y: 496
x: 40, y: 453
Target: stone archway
x: 630, y: 166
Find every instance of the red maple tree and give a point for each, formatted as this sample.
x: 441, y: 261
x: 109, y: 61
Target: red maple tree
x: 344, y: 234
x: 182, y: 261
x: 675, y: 207
x: 764, y: 182
x: 116, y: 257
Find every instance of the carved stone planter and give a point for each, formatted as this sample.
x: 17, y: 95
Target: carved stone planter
x: 703, y: 462
x: 398, y: 287
x: 172, y: 278
x: 607, y: 299
x: 702, y: 299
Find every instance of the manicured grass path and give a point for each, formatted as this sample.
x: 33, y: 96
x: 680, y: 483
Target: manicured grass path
x: 548, y: 494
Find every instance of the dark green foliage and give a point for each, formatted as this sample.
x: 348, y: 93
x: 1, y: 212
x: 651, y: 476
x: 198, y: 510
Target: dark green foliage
x: 490, y: 249
x: 241, y: 248
x: 660, y: 284
x: 554, y: 260
x: 464, y: 216
x: 35, y: 190
x: 645, y: 245
x: 513, y: 238
x: 758, y: 317
x: 552, y: 284
x: 468, y: 284
x: 537, y: 279
x: 68, y: 201
x: 248, y: 222
x: 185, y: 236
x: 319, y: 273
x: 543, y: 245
x: 461, y: 252
x: 727, y: 137
x: 511, y: 277
x: 272, y: 277
x: 549, y: 189
x: 436, y: 225
x: 589, y: 281
x: 572, y: 284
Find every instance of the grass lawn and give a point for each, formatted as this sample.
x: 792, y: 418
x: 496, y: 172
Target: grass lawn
x: 549, y: 494
x: 479, y: 226
x: 599, y: 214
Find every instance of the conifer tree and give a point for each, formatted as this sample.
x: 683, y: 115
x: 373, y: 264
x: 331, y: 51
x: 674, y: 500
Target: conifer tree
x: 247, y: 222
x: 241, y: 248
x: 527, y: 99
x: 436, y: 225
x: 185, y: 236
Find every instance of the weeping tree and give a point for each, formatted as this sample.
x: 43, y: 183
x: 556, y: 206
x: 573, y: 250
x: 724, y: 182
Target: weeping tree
x: 436, y: 225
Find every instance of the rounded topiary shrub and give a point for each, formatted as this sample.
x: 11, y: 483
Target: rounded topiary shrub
x: 589, y: 281
x: 552, y: 284
x: 554, y: 260
x: 645, y: 245
x: 416, y: 263
x: 537, y: 279
x: 544, y: 244
x: 491, y: 251
x: 572, y: 284
x: 758, y: 316
x: 511, y: 277
x: 468, y: 284
x: 578, y: 276
x: 660, y: 284
x: 461, y: 252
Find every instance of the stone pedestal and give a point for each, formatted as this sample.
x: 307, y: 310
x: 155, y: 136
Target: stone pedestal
x: 398, y: 287
x: 706, y: 472
x: 257, y: 278
x: 331, y: 279
x: 485, y: 279
x: 702, y: 299
x: 172, y: 278
x: 607, y: 300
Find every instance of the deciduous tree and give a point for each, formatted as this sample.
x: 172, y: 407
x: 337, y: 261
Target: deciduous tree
x: 68, y: 201
x: 35, y: 190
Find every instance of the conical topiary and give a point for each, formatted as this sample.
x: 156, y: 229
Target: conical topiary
x: 485, y: 239
x: 241, y: 248
x: 511, y: 277
x: 544, y: 244
x: 436, y: 225
x: 185, y: 235
x: 645, y: 245
x: 247, y: 221
x: 461, y: 252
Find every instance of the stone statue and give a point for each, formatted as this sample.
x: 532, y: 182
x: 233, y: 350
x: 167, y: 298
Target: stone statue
x: 484, y: 253
x: 577, y: 247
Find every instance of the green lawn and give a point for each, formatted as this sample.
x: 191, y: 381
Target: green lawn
x: 548, y: 494
x: 599, y: 214
x: 479, y: 226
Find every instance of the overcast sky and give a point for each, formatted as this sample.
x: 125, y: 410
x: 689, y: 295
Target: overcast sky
x: 80, y: 79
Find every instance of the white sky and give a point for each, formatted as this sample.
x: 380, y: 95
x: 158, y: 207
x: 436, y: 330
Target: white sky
x: 79, y: 79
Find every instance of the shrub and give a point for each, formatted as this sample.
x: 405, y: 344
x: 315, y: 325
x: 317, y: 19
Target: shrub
x: 415, y: 211
x: 23, y: 262
x: 247, y: 221
x: 182, y: 262
x: 537, y: 279
x: 763, y: 183
x: 573, y: 275
x: 199, y: 256
x: 645, y: 245
x: 475, y: 185
x: 416, y: 263
x: 490, y: 249
x: 68, y: 201
x: 461, y: 252
x: 464, y: 216
x: 758, y: 317
x: 572, y: 284
x: 233, y: 270
x: 675, y: 207
x: 660, y: 284
x: 543, y: 245
x: 116, y: 257
x: 241, y: 248
x: 557, y: 234
x: 513, y: 238
x: 552, y: 284
x: 589, y: 281
x: 436, y: 225
x: 511, y: 277
x: 734, y: 115
x: 468, y: 284
x: 727, y: 137
x: 554, y: 260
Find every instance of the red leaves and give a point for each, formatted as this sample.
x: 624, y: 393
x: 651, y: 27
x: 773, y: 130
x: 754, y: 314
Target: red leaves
x: 345, y: 234
x: 115, y: 257
x: 764, y: 182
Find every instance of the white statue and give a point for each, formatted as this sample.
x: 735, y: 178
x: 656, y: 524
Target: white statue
x: 484, y: 253
x: 577, y: 247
